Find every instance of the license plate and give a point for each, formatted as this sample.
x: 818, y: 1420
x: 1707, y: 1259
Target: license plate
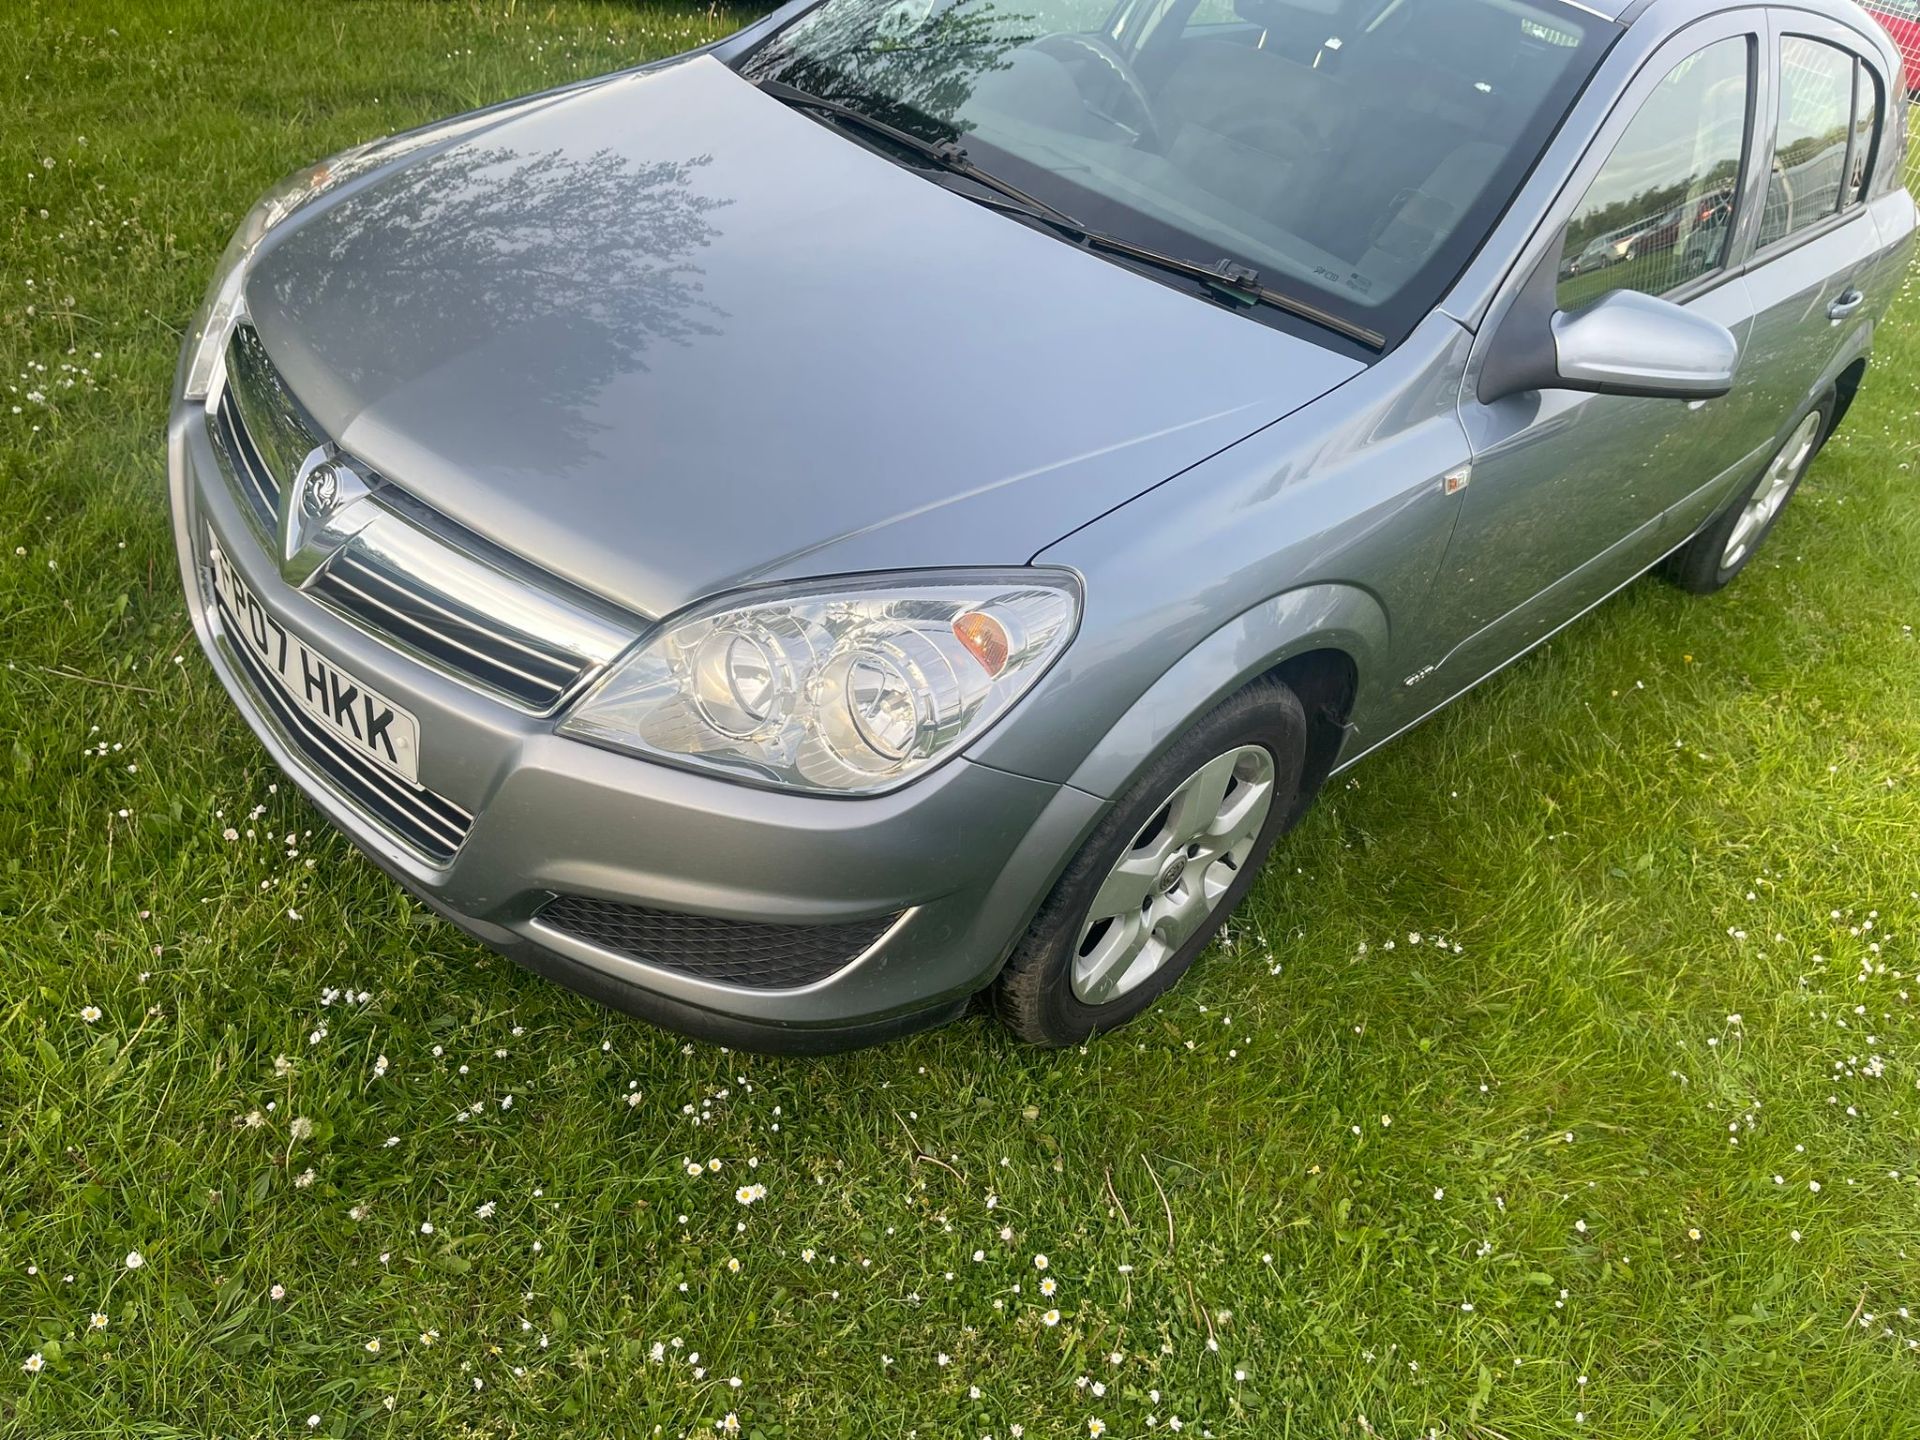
x: 349, y: 709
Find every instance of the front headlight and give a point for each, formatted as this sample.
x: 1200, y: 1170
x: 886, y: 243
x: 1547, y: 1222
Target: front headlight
x: 848, y: 688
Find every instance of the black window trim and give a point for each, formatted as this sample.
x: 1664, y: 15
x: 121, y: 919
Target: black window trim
x: 1861, y: 67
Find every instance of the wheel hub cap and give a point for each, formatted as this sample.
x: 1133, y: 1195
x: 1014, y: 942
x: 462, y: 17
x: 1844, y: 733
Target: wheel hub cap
x: 1173, y: 875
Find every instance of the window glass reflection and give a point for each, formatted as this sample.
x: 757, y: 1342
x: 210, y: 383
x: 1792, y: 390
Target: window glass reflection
x: 1810, y: 148
x: 1660, y: 212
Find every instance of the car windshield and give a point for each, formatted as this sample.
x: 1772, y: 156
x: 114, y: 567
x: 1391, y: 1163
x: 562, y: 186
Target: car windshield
x: 1351, y: 152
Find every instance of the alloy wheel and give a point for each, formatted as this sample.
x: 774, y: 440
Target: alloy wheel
x: 1772, y: 492
x: 1172, y: 876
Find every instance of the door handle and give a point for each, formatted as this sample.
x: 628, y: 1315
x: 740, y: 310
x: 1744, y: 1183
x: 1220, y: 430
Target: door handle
x: 1848, y: 301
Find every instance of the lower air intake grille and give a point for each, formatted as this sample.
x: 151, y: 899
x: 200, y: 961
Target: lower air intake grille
x: 412, y: 814
x: 730, y: 952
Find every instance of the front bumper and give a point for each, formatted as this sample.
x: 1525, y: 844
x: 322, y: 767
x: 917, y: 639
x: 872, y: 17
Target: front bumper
x: 962, y: 858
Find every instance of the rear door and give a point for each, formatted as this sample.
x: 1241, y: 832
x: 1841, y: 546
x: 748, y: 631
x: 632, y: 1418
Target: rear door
x: 1813, y: 265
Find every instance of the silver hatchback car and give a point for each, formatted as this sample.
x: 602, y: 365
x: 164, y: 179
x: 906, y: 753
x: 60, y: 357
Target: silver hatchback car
x: 911, y: 502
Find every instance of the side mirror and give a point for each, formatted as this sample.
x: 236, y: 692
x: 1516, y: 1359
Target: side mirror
x: 1624, y: 343
x: 1627, y: 343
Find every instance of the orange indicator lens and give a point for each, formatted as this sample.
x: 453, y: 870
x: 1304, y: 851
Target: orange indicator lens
x: 985, y: 639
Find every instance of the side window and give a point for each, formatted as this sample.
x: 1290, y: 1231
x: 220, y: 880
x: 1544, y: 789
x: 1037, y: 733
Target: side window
x: 1866, y: 128
x: 1660, y: 212
x: 1810, y: 145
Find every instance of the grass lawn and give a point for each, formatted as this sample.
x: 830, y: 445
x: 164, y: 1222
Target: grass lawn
x: 1562, y: 1077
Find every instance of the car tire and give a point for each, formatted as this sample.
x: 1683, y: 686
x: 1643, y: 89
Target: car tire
x: 1187, y: 857
x: 1710, y: 560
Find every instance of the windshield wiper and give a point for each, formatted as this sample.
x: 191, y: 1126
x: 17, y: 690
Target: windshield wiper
x: 949, y: 155
x: 1227, y: 279
x: 1231, y: 281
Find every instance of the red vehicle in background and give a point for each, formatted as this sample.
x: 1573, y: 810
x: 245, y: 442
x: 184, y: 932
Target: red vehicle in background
x: 1901, y: 20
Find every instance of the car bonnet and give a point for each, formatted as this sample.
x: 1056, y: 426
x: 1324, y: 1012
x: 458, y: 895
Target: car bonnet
x: 666, y: 336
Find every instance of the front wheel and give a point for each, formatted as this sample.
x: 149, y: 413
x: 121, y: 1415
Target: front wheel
x: 1161, y: 872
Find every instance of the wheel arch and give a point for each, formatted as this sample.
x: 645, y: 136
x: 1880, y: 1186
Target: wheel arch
x: 1322, y: 640
x: 1327, y: 681
x: 1846, y: 386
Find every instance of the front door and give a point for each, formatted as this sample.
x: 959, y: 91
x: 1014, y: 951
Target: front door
x: 1567, y: 491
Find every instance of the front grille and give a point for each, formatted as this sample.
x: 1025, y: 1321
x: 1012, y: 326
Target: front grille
x: 425, y: 822
x: 257, y: 486
x: 408, y: 575
x: 433, y: 620
x: 731, y: 952
x: 260, y: 429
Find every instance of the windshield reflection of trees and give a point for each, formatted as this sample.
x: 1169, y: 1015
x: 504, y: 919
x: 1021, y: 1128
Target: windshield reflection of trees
x: 913, y: 66
x: 454, y: 252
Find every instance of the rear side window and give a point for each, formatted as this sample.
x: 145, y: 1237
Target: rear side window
x: 1660, y: 211
x: 1810, y: 176
x: 1866, y: 128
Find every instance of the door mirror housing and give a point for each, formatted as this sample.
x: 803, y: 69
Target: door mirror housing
x: 1624, y: 343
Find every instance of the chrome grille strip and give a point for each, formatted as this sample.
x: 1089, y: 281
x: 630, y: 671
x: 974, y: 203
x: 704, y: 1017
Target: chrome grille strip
x: 352, y: 565
x: 466, y: 614
x: 339, y: 586
x: 369, y: 570
x: 487, y: 590
x: 258, y: 488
